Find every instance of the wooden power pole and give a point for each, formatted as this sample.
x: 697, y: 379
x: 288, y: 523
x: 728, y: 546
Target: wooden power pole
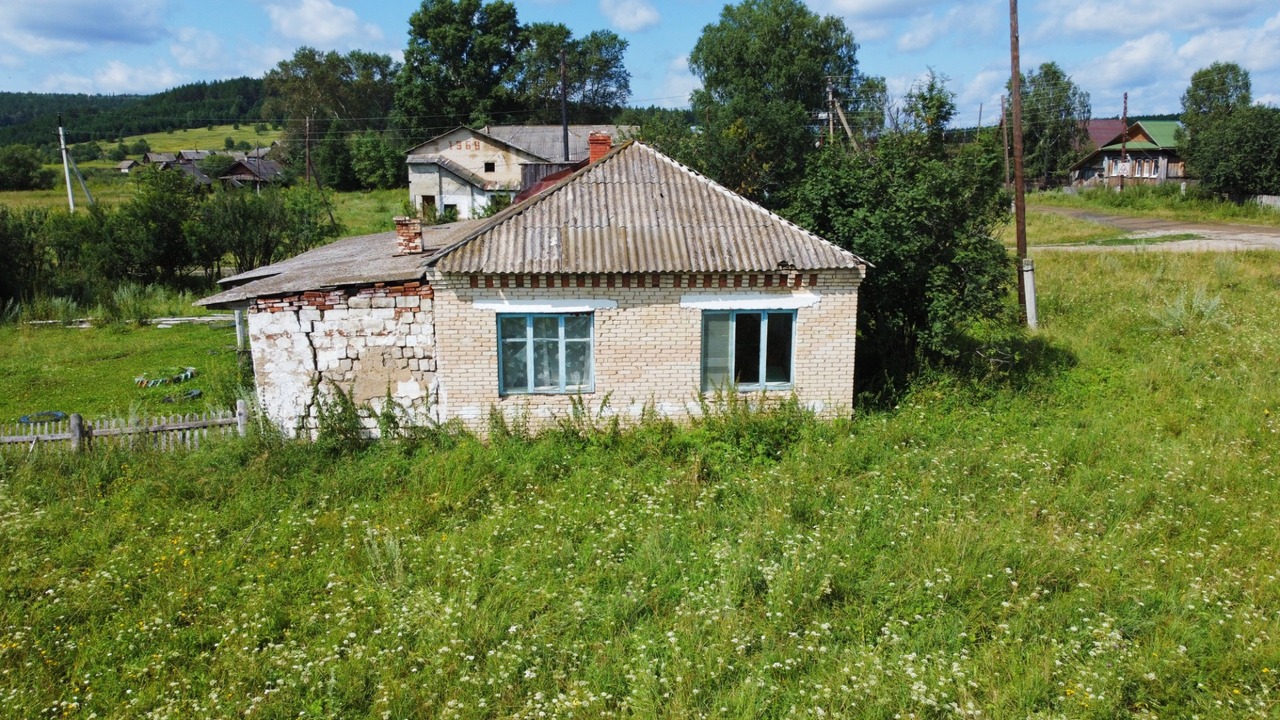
x: 1019, y: 179
x: 1004, y: 130
x: 1124, y: 141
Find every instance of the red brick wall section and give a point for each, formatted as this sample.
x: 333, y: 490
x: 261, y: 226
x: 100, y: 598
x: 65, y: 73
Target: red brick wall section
x: 378, y: 295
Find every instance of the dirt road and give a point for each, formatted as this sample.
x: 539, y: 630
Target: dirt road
x: 1209, y: 237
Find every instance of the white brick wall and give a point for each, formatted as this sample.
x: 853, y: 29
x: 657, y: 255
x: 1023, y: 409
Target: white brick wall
x: 647, y: 349
x: 437, y: 352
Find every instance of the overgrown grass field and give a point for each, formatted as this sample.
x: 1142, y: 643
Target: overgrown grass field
x: 1162, y: 201
x: 93, y: 371
x: 1086, y: 531
x: 1047, y: 228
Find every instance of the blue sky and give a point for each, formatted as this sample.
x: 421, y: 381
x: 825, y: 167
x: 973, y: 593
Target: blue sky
x: 1146, y: 47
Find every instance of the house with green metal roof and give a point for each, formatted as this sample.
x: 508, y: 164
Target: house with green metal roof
x: 1145, y: 153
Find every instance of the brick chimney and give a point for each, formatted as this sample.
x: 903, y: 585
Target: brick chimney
x: 408, y: 236
x: 600, y: 144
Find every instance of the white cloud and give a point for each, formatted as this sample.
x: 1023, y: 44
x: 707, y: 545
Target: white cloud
x: 985, y: 89
x: 1256, y: 49
x: 876, y: 9
x: 677, y: 85
x: 195, y: 48
x: 319, y: 22
x: 1135, y: 17
x: 1135, y: 64
x: 61, y: 26
x: 116, y: 77
x: 869, y: 32
x: 630, y: 15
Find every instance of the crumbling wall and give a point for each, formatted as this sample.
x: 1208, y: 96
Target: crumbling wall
x: 368, y: 341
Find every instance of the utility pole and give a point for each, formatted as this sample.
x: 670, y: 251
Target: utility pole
x: 1004, y: 130
x: 306, y: 144
x: 564, y: 106
x: 1124, y: 141
x: 1019, y: 180
x: 66, y: 164
x: 831, y: 111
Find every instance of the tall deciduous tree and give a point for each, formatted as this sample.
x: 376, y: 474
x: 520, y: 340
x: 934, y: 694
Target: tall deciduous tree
x: 1214, y: 92
x: 358, y: 87
x: 925, y: 215
x: 22, y: 169
x: 150, y: 243
x: 764, y: 68
x: 1215, y: 96
x: 376, y: 163
x: 1237, y: 154
x: 459, y: 63
x: 1055, y: 122
x: 597, y: 81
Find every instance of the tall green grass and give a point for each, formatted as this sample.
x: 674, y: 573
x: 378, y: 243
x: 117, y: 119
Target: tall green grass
x: 1163, y: 201
x: 128, y: 303
x: 1087, y: 531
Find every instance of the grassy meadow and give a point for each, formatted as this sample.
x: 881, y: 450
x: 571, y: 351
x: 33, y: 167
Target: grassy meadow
x: 1048, y: 228
x: 1163, y: 201
x: 92, y: 371
x: 1084, y: 529
x: 112, y: 187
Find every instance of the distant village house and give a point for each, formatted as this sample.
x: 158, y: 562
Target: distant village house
x: 460, y: 172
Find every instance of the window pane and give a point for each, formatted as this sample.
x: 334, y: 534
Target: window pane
x: 577, y: 326
x: 511, y: 328
x: 546, y: 364
x: 777, y: 361
x: 746, y: 348
x: 715, y: 350
x: 515, y: 368
x: 577, y: 364
x: 546, y: 326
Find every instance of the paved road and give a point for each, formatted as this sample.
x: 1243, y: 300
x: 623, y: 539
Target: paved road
x: 1209, y: 237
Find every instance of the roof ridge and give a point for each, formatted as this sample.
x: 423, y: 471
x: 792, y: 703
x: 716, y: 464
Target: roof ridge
x: 529, y: 202
x: 738, y: 205
x: 750, y: 205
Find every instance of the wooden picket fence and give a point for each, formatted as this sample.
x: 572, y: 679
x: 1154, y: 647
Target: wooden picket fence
x: 163, y: 433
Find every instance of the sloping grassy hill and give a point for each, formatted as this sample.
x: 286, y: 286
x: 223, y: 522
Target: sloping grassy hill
x: 1090, y: 533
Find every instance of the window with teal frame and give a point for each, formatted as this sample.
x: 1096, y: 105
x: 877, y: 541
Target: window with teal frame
x: 546, y: 354
x: 748, y: 349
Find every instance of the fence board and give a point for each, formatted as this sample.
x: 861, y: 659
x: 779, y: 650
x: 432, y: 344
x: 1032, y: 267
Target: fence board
x: 165, y: 433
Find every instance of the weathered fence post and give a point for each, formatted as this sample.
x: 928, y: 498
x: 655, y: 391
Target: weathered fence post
x: 79, y: 437
x: 242, y: 417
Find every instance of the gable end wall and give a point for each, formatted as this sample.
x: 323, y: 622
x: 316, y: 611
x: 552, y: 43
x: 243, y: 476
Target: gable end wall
x: 366, y: 341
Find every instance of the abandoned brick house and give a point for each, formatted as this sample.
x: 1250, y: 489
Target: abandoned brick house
x: 633, y: 280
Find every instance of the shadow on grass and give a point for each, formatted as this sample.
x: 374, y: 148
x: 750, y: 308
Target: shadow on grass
x: 1021, y: 361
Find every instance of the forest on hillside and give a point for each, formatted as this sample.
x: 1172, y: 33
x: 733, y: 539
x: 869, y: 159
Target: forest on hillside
x: 32, y: 118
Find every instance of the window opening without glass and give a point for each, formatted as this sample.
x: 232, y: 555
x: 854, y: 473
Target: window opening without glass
x: 750, y: 349
x: 551, y: 353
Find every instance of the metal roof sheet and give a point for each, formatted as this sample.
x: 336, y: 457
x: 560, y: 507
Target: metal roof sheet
x: 638, y: 210
x: 1163, y: 132
x: 350, y: 261
x: 547, y: 141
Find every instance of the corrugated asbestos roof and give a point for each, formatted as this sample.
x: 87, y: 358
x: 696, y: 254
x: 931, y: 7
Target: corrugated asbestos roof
x: 637, y: 210
x: 350, y: 261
